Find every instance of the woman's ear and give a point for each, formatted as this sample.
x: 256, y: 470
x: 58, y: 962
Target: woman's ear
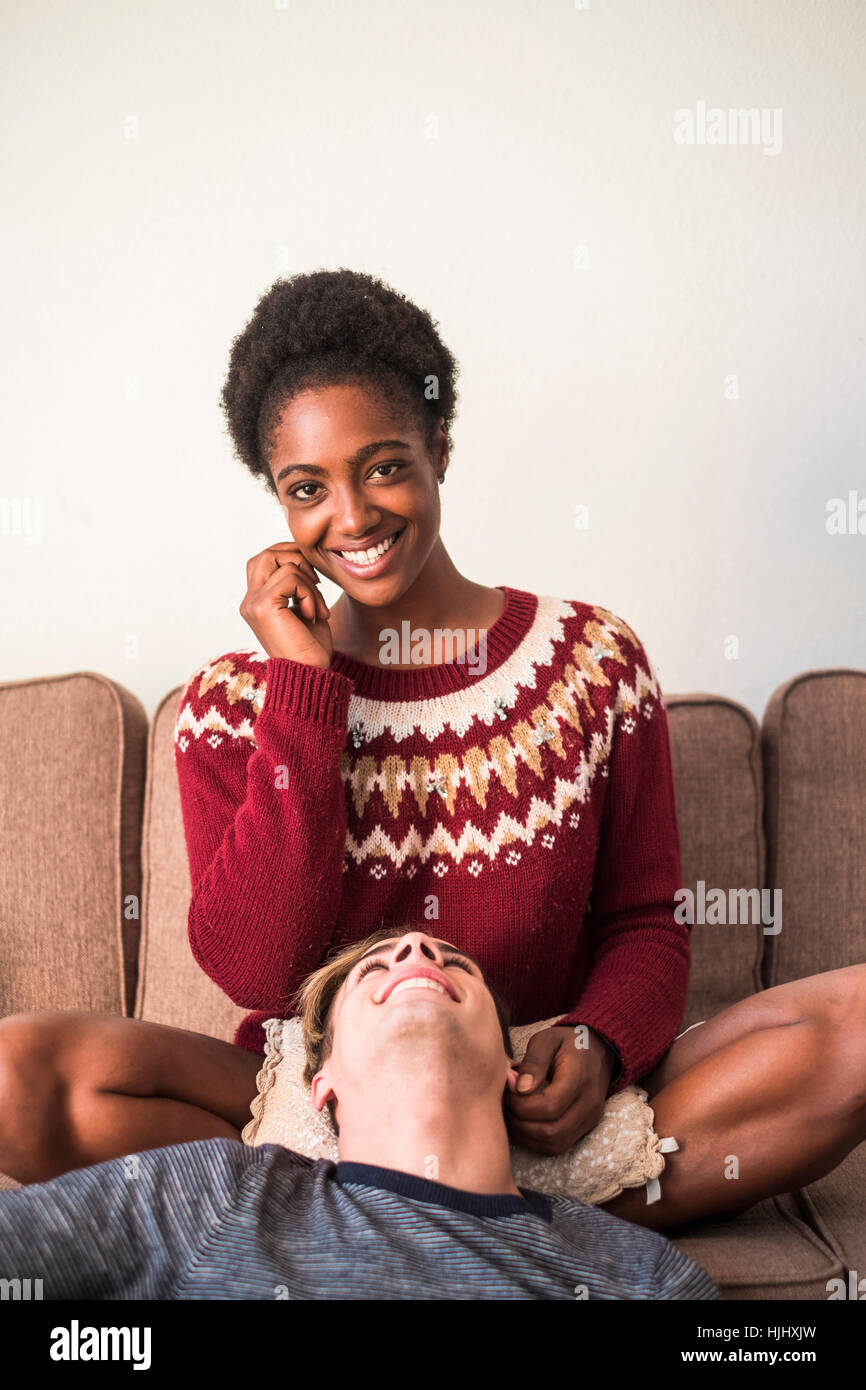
x: 442, y: 465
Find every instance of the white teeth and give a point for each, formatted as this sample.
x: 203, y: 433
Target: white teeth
x: 418, y: 982
x: 368, y: 557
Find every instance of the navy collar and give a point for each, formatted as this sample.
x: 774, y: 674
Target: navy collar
x: 531, y: 1203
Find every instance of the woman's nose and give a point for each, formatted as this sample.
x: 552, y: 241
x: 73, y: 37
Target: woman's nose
x: 351, y: 514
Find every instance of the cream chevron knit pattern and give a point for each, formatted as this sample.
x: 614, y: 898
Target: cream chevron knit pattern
x: 526, y: 810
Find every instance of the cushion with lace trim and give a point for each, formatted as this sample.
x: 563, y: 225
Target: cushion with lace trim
x: 621, y: 1151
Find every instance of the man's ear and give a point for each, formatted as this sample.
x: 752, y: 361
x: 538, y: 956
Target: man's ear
x: 321, y: 1090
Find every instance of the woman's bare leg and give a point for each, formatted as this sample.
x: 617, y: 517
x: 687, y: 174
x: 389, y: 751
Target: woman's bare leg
x: 766, y: 1097
x: 78, y: 1088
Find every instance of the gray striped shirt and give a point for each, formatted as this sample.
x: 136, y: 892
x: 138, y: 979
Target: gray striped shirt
x: 216, y: 1219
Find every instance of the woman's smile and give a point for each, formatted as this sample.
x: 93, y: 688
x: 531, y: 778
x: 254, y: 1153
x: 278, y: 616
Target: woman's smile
x: 371, y: 561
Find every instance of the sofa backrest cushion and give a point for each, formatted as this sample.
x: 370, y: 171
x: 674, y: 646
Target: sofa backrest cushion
x: 172, y: 987
x: 814, y: 742
x: 72, y: 763
x: 715, y: 746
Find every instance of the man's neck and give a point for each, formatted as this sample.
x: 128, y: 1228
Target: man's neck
x: 464, y: 1147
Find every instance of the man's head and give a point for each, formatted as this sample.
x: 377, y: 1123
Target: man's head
x: 407, y: 1004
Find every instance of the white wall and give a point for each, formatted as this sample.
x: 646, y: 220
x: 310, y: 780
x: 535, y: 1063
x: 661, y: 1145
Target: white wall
x: 466, y: 153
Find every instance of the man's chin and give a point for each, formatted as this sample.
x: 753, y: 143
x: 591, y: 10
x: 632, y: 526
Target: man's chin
x: 424, y: 1040
x: 419, y: 1025
x: 423, y: 1010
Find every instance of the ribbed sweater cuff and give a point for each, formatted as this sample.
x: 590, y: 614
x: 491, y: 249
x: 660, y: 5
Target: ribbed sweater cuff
x: 311, y: 692
x: 575, y: 1019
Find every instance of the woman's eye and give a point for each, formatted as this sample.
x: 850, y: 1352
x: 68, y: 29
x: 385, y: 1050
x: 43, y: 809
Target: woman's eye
x: 296, y: 492
x: 387, y: 465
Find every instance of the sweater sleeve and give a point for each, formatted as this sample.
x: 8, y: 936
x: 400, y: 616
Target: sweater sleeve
x: 634, y: 993
x: 264, y: 819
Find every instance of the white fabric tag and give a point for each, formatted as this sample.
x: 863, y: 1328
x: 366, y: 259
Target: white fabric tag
x: 653, y: 1187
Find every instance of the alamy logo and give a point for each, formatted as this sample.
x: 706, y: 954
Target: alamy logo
x: 715, y: 907
x: 20, y: 1289
x: 738, y: 126
x: 77, y: 1343
x: 855, y: 1287
x: 438, y: 646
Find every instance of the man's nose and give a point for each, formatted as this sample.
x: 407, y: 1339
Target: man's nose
x: 418, y: 945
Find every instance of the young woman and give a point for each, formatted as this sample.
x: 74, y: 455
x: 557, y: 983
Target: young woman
x: 483, y: 761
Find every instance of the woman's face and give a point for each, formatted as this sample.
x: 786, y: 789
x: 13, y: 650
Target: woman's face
x: 354, y: 480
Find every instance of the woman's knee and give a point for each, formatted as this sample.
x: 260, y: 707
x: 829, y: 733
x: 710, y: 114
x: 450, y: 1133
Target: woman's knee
x: 843, y: 1012
x: 36, y: 1079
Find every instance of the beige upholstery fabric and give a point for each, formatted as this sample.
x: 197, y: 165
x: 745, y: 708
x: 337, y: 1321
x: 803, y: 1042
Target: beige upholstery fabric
x: 836, y: 1207
x: 814, y: 735
x: 767, y: 1252
x: 623, y: 1150
x: 72, y: 758
x: 172, y: 988
x: 715, y: 746
x: 814, y: 738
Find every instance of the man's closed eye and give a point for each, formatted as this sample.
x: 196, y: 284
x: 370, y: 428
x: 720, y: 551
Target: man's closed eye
x: 377, y: 964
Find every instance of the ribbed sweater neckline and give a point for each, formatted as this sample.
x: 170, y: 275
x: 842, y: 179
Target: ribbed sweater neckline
x: 427, y: 682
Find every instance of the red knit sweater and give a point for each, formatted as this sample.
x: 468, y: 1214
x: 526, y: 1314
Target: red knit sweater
x: 486, y: 806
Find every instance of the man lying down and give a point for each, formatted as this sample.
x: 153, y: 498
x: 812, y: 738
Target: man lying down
x: 413, y: 1059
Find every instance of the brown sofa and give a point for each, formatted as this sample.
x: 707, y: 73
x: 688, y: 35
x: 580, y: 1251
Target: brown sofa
x: 90, y: 827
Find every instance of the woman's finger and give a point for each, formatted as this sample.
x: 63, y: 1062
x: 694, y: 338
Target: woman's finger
x: 301, y: 595
x: 281, y: 548
x: 537, y: 1061
x: 554, y: 1137
x: 260, y: 566
x: 551, y: 1101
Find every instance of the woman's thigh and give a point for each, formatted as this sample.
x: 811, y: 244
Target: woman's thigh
x: 77, y: 1088
x: 837, y: 997
x: 765, y: 1097
x: 764, y: 1114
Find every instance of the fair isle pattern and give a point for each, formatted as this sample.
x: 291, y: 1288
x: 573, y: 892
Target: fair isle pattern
x: 305, y: 831
x: 243, y: 691
x: 485, y: 760
x: 486, y: 701
x: 491, y: 696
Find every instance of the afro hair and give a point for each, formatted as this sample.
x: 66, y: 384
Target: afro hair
x: 334, y: 327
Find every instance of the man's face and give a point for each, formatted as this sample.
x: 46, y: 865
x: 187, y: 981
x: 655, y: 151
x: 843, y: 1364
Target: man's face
x: 414, y: 1002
